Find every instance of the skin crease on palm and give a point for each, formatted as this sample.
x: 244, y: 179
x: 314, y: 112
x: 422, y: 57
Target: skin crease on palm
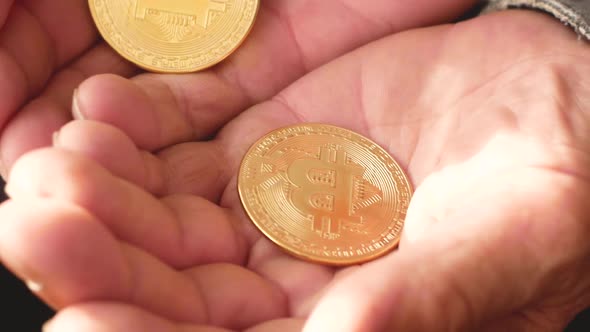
x: 489, y: 118
x: 62, y: 49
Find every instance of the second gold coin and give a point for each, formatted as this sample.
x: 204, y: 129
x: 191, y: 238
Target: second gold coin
x: 174, y: 35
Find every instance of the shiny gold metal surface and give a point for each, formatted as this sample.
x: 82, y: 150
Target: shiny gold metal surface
x: 174, y: 35
x: 325, y: 194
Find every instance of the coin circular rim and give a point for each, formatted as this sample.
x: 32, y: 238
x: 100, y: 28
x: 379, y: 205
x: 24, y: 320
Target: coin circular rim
x: 310, y: 258
x: 160, y: 70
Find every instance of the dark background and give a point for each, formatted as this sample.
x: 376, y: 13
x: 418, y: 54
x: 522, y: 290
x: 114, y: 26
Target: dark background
x: 21, y: 311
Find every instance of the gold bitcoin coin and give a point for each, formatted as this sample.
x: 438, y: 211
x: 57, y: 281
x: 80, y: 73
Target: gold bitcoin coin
x: 175, y: 36
x: 325, y: 194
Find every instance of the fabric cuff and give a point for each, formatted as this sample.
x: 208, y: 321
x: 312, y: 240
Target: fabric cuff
x: 574, y: 13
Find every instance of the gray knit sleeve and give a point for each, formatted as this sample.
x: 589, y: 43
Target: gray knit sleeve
x: 574, y: 13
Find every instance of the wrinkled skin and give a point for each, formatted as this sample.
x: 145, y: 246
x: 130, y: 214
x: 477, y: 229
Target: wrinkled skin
x: 48, y: 48
x: 489, y: 117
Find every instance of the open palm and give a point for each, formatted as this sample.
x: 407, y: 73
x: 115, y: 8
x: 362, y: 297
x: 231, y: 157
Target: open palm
x: 48, y: 48
x: 489, y: 117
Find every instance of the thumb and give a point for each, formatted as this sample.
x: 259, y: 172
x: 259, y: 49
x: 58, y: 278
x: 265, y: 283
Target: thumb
x: 438, y: 288
x: 474, y: 266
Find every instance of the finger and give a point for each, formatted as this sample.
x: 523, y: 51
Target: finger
x: 199, y: 169
x: 115, y: 151
x: 496, y: 265
x: 264, y: 259
x: 188, y: 107
x: 61, y: 251
x: 172, y: 109
x: 55, y: 33
x: 206, y: 169
x: 181, y: 230
x: 74, y: 259
x: 283, y: 325
x: 237, y: 297
x: 116, y: 317
x: 68, y: 25
x: 112, y: 149
x: 34, y: 125
x: 537, y: 320
x: 303, y: 282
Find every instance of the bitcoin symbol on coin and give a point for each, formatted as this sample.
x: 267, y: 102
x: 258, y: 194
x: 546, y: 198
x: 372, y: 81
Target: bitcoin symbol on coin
x: 325, y: 190
x: 324, y: 194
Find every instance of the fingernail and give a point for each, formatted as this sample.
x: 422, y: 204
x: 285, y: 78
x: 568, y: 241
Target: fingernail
x: 34, y: 286
x: 76, y: 112
x: 55, y: 139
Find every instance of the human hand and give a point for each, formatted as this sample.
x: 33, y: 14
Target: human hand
x: 489, y: 117
x: 48, y: 48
